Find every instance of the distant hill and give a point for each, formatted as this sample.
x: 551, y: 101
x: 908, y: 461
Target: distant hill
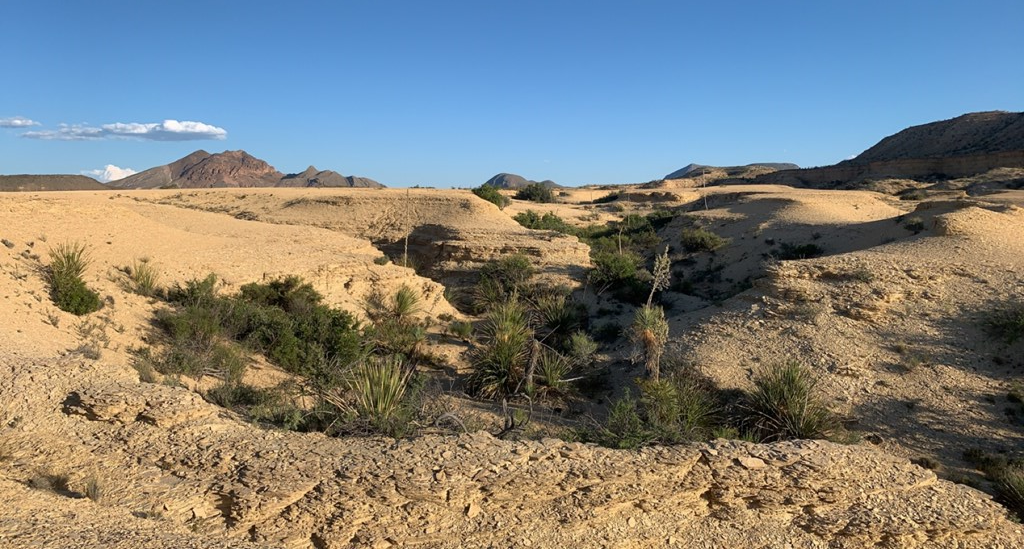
x: 31, y: 183
x: 201, y: 170
x: 960, y: 147
x: 513, y: 181
x: 734, y: 171
x: 326, y: 178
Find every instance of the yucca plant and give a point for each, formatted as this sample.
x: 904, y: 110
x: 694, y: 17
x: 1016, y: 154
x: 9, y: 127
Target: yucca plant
x: 1010, y: 487
x: 405, y: 303
x: 553, y: 371
x: 784, y: 404
x: 500, y: 361
x: 144, y: 277
x: 649, y: 334
x: 68, y: 262
x: 378, y: 386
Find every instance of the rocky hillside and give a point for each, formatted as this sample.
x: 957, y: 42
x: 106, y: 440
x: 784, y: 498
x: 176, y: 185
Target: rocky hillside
x: 313, y: 177
x: 691, y: 170
x: 49, y: 183
x: 513, y: 181
x: 965, y: 146
x: 201, y: 170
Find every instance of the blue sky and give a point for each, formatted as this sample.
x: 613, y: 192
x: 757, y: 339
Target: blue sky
x: 449, y: 93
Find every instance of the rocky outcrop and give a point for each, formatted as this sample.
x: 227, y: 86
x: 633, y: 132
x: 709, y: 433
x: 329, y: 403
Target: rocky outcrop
x: 29, y: 183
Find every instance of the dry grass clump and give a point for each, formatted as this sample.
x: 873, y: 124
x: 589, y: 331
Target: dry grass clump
x: 1007, y: 323
x: 143, y: 277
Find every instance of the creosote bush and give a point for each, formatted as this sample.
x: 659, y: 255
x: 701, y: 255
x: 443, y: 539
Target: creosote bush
x: 1007, y: 323
x: 68, y: 262
x: 492, y: 195
x: 698, y: 239
x: 535, y: 192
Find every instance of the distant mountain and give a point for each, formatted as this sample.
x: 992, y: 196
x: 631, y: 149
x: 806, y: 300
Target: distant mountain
x: 513, y: 181
x: 233, y: 169
x: 326, y: 178
x: 696, y: 169
x: 31, y: 183
x: 967, y: 145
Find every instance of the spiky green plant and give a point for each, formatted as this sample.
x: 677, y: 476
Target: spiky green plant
x: 649, y: 334
x: 144, y: 277
x: 405, y: 303
x: 553, y: 371
x: 378, y: 386
x: 500, y: 361
x: 1010, y: 487
x: 1008, y: 322
x: 68, y: 262
x: 785, y: 404
x: 581, y: 348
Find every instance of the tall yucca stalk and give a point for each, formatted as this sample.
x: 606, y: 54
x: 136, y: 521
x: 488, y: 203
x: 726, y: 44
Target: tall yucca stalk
x: 649, y: 334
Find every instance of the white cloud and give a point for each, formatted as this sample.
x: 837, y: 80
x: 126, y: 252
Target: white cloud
x: 17, y: 122
x: 110, y: 173
x: 168, y: 130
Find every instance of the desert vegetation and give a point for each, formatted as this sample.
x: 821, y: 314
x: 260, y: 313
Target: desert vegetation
x: 68, y: 262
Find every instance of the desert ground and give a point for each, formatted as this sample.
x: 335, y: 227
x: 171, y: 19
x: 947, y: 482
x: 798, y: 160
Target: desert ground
x: 889, y: 312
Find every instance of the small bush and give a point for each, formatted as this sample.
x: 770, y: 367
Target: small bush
x: 492, y: 195
x: 379, y: 386
x: 553, y: 372
x: 461, y: 329
x: 789, y: 252
x: 581, y: 348
x: 68, y: 262
x: 697, y: 239
x: 1007, y: 323
x: 625, y: 428
x: 94, y: 489
x: 914, y: 224
x: 501, y: 281
x: 547, y: 222
x: 535, y: 192
x: 784, y: 404
x: 613, y: 269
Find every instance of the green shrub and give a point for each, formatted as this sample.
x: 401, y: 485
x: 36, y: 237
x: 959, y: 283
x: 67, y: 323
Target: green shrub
x: 625, y: 428
x: 68, y: 262
x: 789, y: 252
x: 378, y: 386
x: 535, y: 192
x: 581, y: 348
x: 784, y: 404
x: 461, y: 329
x: 547, y: 222
x: 1010, y: 488
x: 501, y: 280
x: 613, y: 269
x: 1007, y: 323
x: 914, y: 224
x: 492, y: 195
x: 697, y: 239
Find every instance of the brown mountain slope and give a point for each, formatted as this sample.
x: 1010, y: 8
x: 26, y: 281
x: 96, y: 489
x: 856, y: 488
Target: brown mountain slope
x: 201, y: 170
x: 970, y: 134
x: 968, y: 145
x: 49, y: 183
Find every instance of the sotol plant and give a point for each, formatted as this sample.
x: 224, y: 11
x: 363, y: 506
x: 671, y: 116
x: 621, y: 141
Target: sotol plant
x: 68, y: 262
